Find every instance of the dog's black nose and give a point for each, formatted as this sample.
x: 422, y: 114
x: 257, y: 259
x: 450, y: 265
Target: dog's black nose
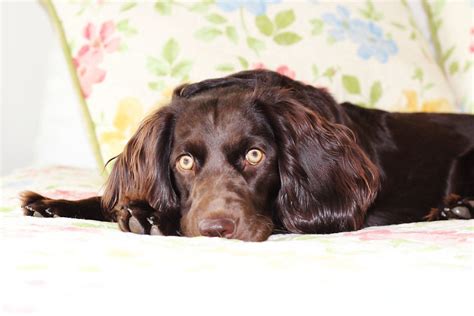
x: 220, y: 227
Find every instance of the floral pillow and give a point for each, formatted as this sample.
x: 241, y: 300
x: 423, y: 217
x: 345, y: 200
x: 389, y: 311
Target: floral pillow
x: 452, y: 32
x: 128, y: 56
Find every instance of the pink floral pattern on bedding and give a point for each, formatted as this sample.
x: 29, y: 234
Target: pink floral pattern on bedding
x: 54, y: 261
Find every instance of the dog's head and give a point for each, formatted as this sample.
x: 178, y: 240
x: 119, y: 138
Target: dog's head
x: 241, y: 156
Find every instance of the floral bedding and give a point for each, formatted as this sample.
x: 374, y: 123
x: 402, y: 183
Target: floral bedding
x: 59, y: 265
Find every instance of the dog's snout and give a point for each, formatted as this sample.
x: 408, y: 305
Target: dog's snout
x: 220, y: 227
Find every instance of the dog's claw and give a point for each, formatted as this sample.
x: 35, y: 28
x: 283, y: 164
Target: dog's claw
x: 154, y: 230
x: 462, y: 212
x: 135, y: 226
x: 151, y: 220
x: 36, y: 214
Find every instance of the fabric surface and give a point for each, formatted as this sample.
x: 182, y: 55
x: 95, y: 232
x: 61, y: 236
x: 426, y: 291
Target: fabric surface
x: 58, y: 265
x: 129, y: 56
x: 452, y: 30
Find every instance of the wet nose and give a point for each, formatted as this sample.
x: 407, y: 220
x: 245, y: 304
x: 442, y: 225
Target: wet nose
x: 220, y: 227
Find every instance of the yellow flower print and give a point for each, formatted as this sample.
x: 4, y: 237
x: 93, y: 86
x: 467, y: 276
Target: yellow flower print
x: 126, y: 120
x: 432, y: 105
x: 129, y: 113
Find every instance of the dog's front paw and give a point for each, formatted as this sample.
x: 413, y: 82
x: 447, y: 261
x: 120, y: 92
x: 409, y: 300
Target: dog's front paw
x: 458, y: 208
x: 139, y: 218
x: 34, y: 204
x: 453, y: 207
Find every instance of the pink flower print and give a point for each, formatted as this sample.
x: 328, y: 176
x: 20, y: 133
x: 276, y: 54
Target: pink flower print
x: 87, y: 70
x: 472, y: 40
x: 415, y: 236
x: 257, y: 66
x: 103, y: 40
x: 282, y: 70
x: 92, y: 54
x: 285, y: 71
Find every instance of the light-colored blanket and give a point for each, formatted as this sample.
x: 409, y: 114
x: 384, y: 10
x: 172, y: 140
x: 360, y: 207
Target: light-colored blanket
x: 63, y: 266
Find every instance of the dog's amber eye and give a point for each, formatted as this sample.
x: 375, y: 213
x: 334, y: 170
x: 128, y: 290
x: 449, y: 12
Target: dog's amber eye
x: 186, y: 162
x: 254, y: 156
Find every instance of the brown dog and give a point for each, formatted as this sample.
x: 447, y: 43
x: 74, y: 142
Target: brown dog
x: 256, y: 152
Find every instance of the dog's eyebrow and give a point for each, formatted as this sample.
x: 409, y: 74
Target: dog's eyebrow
x: 195, y: 148
x: 238, y: 147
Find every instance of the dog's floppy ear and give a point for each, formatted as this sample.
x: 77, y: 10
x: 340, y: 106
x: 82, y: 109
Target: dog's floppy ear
x: 327, y: 180
x: 141, y: 172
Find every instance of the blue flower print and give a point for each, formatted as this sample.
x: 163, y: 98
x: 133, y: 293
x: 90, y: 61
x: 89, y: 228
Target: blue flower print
x: 370, y: 38
x: 340, y: 23
x: 367, y: 35
x: 257, y: 7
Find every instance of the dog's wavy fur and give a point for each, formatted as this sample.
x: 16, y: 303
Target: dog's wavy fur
x: 337, y: 167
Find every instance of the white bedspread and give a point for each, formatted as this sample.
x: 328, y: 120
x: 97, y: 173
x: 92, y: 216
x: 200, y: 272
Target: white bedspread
x: 65, y: 266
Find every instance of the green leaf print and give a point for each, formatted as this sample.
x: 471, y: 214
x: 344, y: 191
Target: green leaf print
x: 202, y: 6
x: 127, y: 6
x: 418, y: 74
x: 351, y: 84
x: 243, y: 62
x: 287, y: 38
x: 284, y: 19
x: 375, y: 93
x: 370, y: 13
x: 453, y: 67
x: 225, y: 67
x: 207, y: 33
x: 330, y: 73
x: 158, y: 85
x: 157, y: 66
x: 318, y: 26
x: 255, y: 44
x: 181, y: 69
x: 163, y: 7
x: 168, y: 65
x: 447, y: 54
x: 170, y: 50
x: 231, y: 33
x: 216, y: 18
x: 124, y: 27
x: 264, y: 25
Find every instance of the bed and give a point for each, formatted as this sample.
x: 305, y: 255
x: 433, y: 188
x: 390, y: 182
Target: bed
x: 57, y: 265
x: 68, y: 266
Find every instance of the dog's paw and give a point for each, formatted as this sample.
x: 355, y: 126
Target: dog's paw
x: 138, y: 218
x: 34, y: 204
x: 454, y: 207
x: 463, y: 209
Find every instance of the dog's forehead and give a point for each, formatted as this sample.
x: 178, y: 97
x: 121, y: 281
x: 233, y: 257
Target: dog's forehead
x: 227, y: 114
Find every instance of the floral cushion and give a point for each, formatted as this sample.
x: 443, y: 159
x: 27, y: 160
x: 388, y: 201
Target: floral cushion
x: 128, y: 56
x: 452, y: 30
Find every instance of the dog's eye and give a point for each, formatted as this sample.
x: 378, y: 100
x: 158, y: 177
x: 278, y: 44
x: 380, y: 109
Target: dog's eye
x: 254, y: 156
x: 186, y: 162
